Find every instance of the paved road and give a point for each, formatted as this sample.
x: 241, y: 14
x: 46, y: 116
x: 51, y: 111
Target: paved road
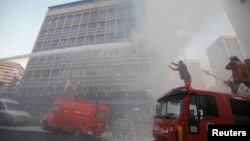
x: 35, y: 133
x: 32, y: 131
x: 17, y: 135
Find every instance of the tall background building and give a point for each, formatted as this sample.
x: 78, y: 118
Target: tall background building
x: 90, y: 53
x: 219, y: 53
x: 10, y: 73
x: 238, y: 12
x: 196, y: 73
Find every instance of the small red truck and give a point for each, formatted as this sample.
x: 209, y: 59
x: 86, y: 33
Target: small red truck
x: 184, y: 113
x: 79, y: 116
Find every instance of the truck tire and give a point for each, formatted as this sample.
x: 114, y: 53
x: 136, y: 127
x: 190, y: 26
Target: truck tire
x: 44, y: 125
x: 77, y: 132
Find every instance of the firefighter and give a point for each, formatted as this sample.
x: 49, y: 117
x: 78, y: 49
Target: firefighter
x: 239, y: 73
x: 183, y: 71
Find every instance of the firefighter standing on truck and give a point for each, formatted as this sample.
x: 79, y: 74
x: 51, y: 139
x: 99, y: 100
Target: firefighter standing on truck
x: 183, y: 71
x: 240, y: 73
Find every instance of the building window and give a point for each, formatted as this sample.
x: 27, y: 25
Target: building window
x: 55, y: 73
x: 94, y: 14
x: 111, y: 10
x: 80, y: 40
x: 100, y: 38
x: 55, y: 20
x: 58, y: 30
x: 90, y: 39
x: 103, y: 12
x: 54, y: 43
x: 63, y: 42
x: 66, y: 29
x: 45, y: 73
x: 62, y: 19
x: 92, y: 25
x: 43, y: 32
x: 111, y: 23
x: 39, y: 44
x: 110, y: 36
x: 101, y: 24
x: 65, y: 72
x: 75, y: 72
x: 74, y: 28
x: 37, y: 74
x: 77, y: 16
x: 48, y: 21
x: 83, y: 27
x: 85, y: 15
x: 47, y: 44
x: 85, y: 72
x: 28, y: 74
x: 72, y: 41
x: 51, y: 31
x: 69, y: 17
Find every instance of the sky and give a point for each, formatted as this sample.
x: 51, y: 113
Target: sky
x: 172, y: 28
x: 20, y: 24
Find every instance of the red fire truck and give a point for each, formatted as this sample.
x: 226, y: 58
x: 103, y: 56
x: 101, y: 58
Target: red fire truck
x: 79, y: 116
x: 183, y: 114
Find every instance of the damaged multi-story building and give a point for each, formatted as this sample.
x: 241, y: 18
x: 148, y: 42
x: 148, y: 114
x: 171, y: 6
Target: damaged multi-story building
x: 87, y: 49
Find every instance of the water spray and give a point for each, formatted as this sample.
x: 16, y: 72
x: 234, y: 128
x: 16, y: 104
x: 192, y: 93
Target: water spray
x: 71, y: 49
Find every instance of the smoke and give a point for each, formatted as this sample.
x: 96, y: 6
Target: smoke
x: 167, y: 26
x: 170, y: 26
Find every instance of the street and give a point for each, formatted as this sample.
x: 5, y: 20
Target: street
x: 32, y: 131
x: 35, y: 133
x: 8, y: 134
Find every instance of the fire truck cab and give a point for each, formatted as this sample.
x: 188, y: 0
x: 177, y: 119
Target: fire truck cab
x: 79, y: 116
x: 183, y: 114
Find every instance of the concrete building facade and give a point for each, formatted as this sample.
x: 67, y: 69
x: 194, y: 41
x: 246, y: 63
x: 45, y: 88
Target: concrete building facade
x: 196, y: 73
x: 218, y: 55
x: 90, y: 53
x: 238, y: 12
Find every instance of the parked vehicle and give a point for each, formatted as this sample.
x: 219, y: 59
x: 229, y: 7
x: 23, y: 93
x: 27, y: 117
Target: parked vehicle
x: 79, y: 116
x: 11, y: 112
x: 183, y: 114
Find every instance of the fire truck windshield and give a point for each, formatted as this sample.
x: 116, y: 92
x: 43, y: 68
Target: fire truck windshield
x: 169, y: 107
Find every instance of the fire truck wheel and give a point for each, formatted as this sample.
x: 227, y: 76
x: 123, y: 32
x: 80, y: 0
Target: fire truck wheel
x: 77, y: 133
x: 44, y: 125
